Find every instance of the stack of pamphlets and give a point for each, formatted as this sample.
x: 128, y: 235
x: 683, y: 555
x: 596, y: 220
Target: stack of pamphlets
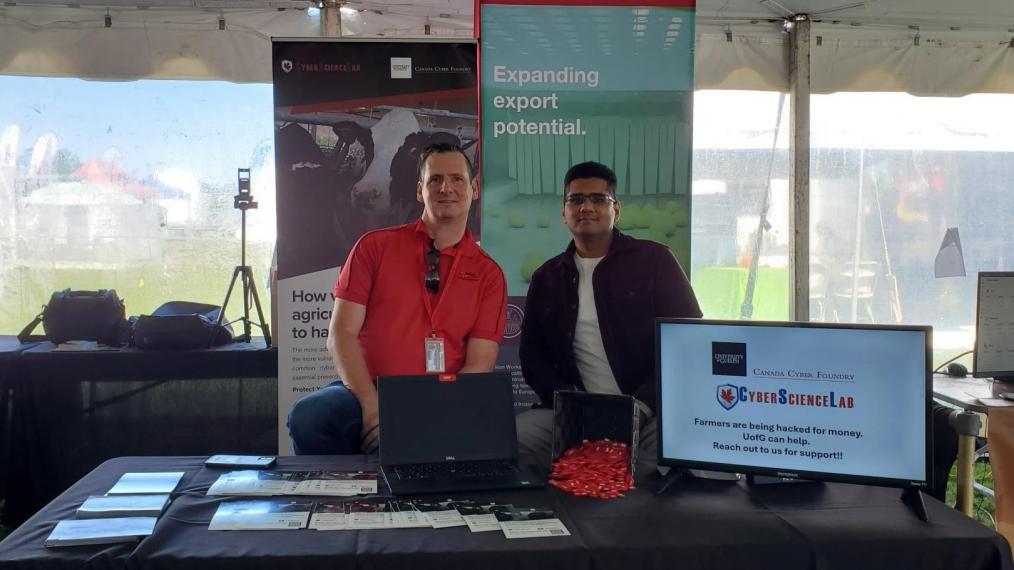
x: 531, y: 523
x: 146, y: 483
x: 100, y: 531
x: 515, y: 522
x: 368, y: 514
x: 379, y: 513
x: 127, y: 512
x: 111, y: 506
x: 268, y: 514
x: 233, y: 461
x: 314, y: 483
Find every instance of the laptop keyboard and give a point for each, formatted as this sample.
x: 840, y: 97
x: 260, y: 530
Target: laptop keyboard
x: 476, y: 469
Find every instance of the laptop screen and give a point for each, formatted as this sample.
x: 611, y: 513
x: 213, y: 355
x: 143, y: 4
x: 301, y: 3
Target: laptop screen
x: 425, y: 420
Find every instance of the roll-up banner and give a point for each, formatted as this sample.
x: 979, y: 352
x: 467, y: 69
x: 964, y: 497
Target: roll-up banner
x: 567, y: 81
x: 350, y: 120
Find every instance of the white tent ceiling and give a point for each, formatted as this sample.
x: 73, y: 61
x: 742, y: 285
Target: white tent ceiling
x: 940, y: 14
x: 867, y: 45
x: 974, y: 15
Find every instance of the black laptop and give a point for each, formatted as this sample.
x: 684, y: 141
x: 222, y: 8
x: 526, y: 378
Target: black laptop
x: 449, y: 433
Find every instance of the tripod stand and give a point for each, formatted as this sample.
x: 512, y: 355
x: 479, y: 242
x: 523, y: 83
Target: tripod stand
x: 243, y: 202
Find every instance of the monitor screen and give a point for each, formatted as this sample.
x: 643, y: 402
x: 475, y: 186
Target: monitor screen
x: 994, y: 326
x: 844, y: 403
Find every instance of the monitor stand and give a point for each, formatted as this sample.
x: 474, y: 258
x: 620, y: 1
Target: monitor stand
x: 1004, y: 379
x: 913, y: 499
x: 768, y: 480
x: 675, y: 474
x: 679, y: 473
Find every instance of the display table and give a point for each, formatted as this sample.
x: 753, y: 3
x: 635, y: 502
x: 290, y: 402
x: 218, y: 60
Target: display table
x: 70, y: 411
x: 9, y: 350
x: 697, y: 524
x: 967, y: 394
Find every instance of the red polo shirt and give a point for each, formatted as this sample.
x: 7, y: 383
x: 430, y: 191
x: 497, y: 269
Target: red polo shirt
x: 386, y: 271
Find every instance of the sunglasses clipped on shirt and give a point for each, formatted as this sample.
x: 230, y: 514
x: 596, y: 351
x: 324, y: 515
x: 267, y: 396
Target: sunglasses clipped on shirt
x: 432, y: 259
x: 597, y: 199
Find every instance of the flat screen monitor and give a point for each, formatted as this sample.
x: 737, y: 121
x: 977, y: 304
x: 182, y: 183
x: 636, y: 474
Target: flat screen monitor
x: 848, y: 403
x: 994, y: 326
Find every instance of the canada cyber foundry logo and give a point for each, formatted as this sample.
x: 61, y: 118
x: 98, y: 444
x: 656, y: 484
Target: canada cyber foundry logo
x: 728, y: 359
x: 401, y: 68
x: 286, y: 65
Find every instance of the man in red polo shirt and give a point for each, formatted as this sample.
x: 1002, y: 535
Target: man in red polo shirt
x: 414, y: 299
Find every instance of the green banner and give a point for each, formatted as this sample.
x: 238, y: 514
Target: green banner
x: 566, y: 84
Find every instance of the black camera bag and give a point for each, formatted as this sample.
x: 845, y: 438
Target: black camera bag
x: 181, y: 325
x: 82, y: 315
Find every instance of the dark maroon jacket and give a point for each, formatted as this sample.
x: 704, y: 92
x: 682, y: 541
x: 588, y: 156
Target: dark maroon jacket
x: 637, y: 281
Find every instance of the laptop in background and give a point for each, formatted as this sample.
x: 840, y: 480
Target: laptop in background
x: 449, y: 433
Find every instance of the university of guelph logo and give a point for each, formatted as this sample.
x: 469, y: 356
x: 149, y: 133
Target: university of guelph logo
x: 728, y: 358
x: 728, y: 395
x: 401, y: 68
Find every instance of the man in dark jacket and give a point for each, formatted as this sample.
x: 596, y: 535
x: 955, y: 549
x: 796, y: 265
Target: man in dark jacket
x: 590, y: 314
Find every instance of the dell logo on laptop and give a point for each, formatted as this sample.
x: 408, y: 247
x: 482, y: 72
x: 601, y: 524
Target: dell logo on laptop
x: 449, y: 458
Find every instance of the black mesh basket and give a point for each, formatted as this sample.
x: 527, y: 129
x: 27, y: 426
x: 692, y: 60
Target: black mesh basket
x: 580, y: 416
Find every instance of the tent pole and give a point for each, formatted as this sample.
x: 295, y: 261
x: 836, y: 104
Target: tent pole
x: 331, y: 19
x: 857, y: 251
x: 799, y: 176
x: 746, y: 309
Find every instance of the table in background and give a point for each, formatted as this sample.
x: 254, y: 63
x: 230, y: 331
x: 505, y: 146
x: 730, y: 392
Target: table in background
x: 9, y: 349
x: 70, y: 411
x: 697, y: 524
x: 966, y: 394
x: 962, y: 393
x: 998, y: 428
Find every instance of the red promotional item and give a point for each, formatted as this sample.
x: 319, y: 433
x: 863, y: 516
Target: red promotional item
x: 596, y: 469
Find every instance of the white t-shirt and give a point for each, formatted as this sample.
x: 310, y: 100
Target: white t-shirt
x: 590, y: 354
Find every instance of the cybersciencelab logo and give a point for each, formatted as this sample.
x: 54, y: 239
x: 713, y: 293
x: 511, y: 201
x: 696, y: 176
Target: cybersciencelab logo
x: 728, y: 395
x: 728, y: 359
x: 286, y: 65
x: 401, y: 68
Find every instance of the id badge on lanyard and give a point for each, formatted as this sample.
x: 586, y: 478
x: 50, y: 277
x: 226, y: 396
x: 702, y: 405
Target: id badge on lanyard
x: 435, y: 363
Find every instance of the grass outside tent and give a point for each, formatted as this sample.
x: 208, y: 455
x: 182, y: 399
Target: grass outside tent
x: 983, y: 506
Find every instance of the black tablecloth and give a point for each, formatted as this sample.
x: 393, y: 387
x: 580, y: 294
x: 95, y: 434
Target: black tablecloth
x: 699, y: 524
x: 9, y: 351
x: 70, y: 411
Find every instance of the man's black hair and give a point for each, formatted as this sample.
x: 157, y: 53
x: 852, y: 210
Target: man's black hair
x: 591, y: 170
x: 441, y: 148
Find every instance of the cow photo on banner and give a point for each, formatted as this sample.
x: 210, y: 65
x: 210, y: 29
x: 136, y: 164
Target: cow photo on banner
x: 351, y: 118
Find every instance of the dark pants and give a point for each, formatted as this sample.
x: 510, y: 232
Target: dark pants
x: 326, y: 422
x: 945, y: 450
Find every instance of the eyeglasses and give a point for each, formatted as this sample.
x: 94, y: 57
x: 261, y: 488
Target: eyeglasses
x: 597, y: 199
x: 432, y: 259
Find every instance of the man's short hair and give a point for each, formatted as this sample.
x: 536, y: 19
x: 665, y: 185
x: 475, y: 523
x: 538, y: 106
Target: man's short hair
x: 591, y: 170
x: 442, y: 148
